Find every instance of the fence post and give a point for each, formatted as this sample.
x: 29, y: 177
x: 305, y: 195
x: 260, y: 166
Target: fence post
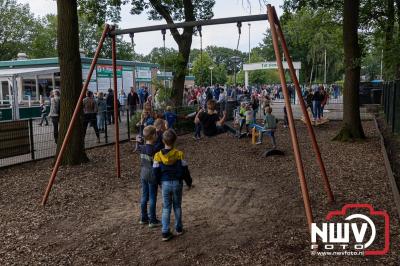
x: 31, y: 138
x: 384, y: 97
x: 127, y: 124
x: 395, y: 83
x: 387, y: 101
x: 105, y: 127
x: 294, y: 96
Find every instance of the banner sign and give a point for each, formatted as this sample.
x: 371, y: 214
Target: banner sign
x: 105, y: 71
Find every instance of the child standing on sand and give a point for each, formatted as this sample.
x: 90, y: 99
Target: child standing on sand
x: 170, y: 169
x: 147, y: 179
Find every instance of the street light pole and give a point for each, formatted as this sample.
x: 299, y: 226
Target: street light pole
x: 211, y: 68
x: 234, y: 72
x: 381, y: 65
x: 235, y: 60
x: 249, y: 42
x: 325, y: 70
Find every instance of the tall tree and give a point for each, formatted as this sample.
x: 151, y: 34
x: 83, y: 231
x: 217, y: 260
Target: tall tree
x: 397, y: 41
x: 185, y: 10
x: 352, y: 127
x: 71, y: 79
x: 170, y: 11
x: 89, y: 35
x: 44, y: 43
x: 201, y: 69
x: 389, y: 31
x: 309, y: 33
x: 18, y: 27
x: 158, y: 55
x: 355, y: 15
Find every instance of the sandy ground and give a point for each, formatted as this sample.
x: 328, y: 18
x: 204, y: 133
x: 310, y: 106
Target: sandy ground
x: 243, y: 210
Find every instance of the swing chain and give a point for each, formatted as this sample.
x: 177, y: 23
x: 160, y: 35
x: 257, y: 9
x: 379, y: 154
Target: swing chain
x: 163, y: 32
x: 201, y: 53
x: 132, y: 36
x: 239, y: 26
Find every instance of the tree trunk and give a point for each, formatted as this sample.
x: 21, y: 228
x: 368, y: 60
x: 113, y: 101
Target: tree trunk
x: 388, y: 46
x: 71, y: 80
x: 184, y: 42
x: 180, y: 74
x: 395, y: 55
x: 352, y: 127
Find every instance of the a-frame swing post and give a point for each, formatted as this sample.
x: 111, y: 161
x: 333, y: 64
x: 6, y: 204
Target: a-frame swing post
x: 116, y: 109
x: 293, y: 133
x: 310, y: 129
x: 75, y: 116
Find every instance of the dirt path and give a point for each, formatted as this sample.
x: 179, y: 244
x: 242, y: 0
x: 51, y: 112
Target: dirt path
x: 244, y: 209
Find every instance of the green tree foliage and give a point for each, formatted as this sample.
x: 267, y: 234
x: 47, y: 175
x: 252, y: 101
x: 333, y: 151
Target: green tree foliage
x: 223, y: 55
x: 17, y: 30
x: 170, y: 11
x: 353, y: 15
x: 89, y: 36
x: 202, y: 72
x: 308, y: 34
x: 44, y: 43
x: 157, y: 56
x: 259, y: 77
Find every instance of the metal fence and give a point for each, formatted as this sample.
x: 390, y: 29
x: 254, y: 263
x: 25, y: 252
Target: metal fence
x: 40, y: 138
x: 32, y: 139
x: 391, y: 104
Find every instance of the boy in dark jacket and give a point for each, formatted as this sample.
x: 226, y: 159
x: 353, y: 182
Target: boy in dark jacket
x: 170, y: 169
x: 147, y: 178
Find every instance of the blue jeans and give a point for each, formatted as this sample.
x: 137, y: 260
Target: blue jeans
x: 197, y: 131
x: 101, y: 120
x: 270, y: 133
x: 172, y: 197
x: 317, y: 109
x: 255, y: 116
x: 149, y: 194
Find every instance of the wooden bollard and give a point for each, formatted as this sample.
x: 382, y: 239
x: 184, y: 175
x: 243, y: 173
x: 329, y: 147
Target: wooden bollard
x: 254, y: 135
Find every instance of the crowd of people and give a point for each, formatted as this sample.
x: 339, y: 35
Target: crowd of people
x: 98, y: 107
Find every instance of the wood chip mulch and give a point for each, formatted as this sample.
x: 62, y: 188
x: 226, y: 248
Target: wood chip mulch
x: 243, y: 210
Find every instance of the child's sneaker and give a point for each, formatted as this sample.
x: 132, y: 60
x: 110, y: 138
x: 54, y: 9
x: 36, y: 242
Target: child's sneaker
x: 179, y: 233
x: 154, y: 224
x: 143, y: 222
x: 166, y: 236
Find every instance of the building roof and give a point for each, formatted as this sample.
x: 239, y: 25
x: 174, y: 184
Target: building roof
x: 54, y: 62
x: 9, y: 72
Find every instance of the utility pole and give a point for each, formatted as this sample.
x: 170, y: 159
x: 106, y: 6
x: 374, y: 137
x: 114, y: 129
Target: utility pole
x: 325, y: 70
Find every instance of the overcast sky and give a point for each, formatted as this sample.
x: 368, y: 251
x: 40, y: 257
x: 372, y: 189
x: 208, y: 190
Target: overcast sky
x: 220, y: 35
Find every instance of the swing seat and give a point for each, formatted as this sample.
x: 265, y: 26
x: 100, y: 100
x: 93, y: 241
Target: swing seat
x: 256, y: 130
x: 314, y: 123
x: 273, y: 152
x: 242, y: 135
